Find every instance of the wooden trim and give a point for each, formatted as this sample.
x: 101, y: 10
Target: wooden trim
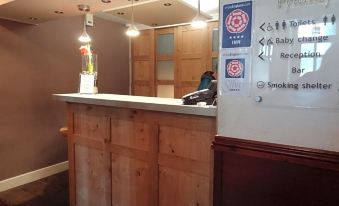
x: 214, y: 55
x: 165, y: 57
x: 142, y: 83
x: 177, y: 77
x: 89, y: 142
x: 189, y: 83
x: 32, y: 176
x: 299, y: 155
x: 267, y: 174
x: 217, y: 178
x: 71, y: 155
x: 184, y: 164
x: 153, y: 91
x: 165, y: 30
x: 165, y: 82
x: 159, y: 57
x: 150, y: 57
x: 211, y: 54
x: 130, y: 152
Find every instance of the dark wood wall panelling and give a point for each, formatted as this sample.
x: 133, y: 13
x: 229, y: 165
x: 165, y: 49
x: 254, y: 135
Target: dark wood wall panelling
x: 251, y: 173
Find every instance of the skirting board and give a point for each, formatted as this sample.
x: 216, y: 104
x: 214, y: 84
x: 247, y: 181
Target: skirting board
x: 32, y: 176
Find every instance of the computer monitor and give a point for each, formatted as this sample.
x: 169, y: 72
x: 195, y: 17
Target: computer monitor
x: 213, y: 86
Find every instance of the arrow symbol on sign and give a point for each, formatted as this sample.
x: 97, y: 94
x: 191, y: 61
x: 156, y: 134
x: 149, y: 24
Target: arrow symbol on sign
x: 261, y: 27
x: 260, y: 56
x: 262, y: 44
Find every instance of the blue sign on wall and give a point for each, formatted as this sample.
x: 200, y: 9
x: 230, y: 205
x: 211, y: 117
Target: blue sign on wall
x: 237, y: 25
x: 235, y: 68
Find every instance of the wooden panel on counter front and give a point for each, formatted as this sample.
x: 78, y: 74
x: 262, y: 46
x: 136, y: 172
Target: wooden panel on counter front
x: 129, y: 157
x: 134, y: 158
x: 185, y: 158
x: 89, y: 176
x: 193, y: 142
x: 91, y: 126
x: 182, y: 188
x: 132, y: 182
x: 92, y: 177
x: 256, y: 173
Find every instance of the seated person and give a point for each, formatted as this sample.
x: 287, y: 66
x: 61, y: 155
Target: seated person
x: 206, y: 79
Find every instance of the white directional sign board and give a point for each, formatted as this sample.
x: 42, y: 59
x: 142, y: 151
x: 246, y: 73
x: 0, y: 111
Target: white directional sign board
x: 293, y: 54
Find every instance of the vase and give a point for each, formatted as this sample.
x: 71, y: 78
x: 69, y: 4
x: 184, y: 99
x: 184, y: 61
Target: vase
x: 89, y: 74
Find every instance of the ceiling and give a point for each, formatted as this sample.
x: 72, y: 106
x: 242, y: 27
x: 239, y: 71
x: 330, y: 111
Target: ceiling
x: 157, y: 14
x: 151, y: 13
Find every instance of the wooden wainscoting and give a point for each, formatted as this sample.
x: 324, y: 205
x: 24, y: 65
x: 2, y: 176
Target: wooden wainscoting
x: 130, y: 157
x: 250, y: 173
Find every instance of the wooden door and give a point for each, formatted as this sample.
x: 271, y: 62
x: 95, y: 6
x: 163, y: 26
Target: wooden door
x: 213, y: 46
x: 191, y: 59
x: 165, y: 62
x: 143, y: 64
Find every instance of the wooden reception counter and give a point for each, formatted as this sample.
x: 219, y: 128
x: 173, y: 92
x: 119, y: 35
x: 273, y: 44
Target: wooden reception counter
x: 139, y: 151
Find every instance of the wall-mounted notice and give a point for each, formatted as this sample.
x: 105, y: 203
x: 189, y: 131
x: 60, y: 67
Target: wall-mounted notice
x: 237, y: 25
x: 295, y: 53
x: 236, y: 72
x: 235, y: 54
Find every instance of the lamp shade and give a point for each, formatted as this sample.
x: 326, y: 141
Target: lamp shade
x: 132, y: 31
x: 85, y: 38
x: 198, y: 22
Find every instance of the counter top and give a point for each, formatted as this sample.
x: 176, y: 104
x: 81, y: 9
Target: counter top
x: 138, y: 102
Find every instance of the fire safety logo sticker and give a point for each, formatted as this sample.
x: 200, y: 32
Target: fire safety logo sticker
x: 237, y: 25
x: 235, y: 68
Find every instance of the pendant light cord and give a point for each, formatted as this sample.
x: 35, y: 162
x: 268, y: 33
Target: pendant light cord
x: 198, y: 7
x: 132, y: 19
x: 85, y: 23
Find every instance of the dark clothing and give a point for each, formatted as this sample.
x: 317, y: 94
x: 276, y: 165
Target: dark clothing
x: 205, y: 80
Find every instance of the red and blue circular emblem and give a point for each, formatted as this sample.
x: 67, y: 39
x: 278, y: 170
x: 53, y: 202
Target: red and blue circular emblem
x: 235, y: 68
x: 237, y: 21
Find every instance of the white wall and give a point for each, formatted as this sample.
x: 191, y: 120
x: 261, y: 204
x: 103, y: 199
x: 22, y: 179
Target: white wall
x: 299, y: 118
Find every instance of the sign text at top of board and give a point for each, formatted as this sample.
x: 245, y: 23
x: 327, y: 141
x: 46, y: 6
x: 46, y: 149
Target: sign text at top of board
x: 300, y: 3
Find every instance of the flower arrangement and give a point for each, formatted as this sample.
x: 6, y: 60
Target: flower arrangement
x: 87, y: 58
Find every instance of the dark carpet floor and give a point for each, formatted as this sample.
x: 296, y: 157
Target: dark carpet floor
x: 2, y: 203
x: 50, y: 191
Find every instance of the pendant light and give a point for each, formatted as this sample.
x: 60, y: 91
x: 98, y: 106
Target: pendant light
x: 132, y: 30
x: 198, y: 21
x: 84, y: 38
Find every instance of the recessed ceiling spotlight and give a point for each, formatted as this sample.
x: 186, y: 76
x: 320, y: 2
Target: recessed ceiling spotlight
x: 58, y: 12
x: 120, y: 13
x: 84, y: 7
x: 154, y: 24
x: 33, y: 18
x: 167, y: 4
x: 106, y: 1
